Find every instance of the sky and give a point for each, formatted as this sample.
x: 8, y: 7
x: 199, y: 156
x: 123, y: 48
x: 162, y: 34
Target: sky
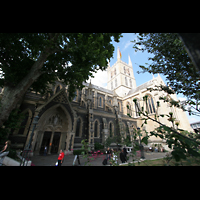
x: 138, y: 58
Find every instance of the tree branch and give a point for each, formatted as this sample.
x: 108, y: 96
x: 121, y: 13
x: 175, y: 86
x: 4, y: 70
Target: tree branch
x: 166, y: 126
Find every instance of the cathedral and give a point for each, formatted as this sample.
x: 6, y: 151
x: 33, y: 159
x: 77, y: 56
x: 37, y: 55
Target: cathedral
x: 94, y: 114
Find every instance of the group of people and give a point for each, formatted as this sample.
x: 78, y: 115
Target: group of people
x: 5, y: 151
x: 112, y: 154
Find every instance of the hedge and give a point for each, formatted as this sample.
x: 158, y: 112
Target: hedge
x: 78, y: 152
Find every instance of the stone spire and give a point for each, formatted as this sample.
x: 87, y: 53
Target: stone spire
x: 129, y: 61
x: 108, y: 63
x: 118, y: 54
x: 89, y: 93
x: 90, y: 85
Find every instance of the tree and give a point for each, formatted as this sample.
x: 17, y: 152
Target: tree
x: 171, y: 59
x: 35, y: 60
x: 180, y: 141
x: 192, y: 45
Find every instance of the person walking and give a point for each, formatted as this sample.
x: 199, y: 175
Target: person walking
x: 122, y: 157
x: 45, y: 150
x: 108, y: 152
x: 60, y: 158
x: 4, y: 152
x: 125, y: 153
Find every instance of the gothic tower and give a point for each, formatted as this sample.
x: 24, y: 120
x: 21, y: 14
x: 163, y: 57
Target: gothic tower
x: 120, y: 76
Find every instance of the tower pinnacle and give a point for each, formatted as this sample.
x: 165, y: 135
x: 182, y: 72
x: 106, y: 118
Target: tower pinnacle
x: 129, y: 61
x: 119, y: 55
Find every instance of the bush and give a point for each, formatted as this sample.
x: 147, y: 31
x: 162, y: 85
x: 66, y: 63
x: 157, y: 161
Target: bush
x: 78, y: 152
x: 98, y: 146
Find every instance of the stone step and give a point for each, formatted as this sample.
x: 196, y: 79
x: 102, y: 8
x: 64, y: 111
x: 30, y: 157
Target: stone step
x: 11, y: 162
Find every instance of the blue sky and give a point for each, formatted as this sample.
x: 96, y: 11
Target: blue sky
x: 138, y: 58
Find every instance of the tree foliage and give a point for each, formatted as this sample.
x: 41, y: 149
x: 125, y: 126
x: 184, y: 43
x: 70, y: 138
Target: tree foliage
x: 13, y: 123
x: 35, y: 60
x: 171, y: 59
x: 180, y: 141
x: 72, y: 57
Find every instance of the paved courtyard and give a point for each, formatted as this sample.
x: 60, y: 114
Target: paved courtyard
x: 50, y: 160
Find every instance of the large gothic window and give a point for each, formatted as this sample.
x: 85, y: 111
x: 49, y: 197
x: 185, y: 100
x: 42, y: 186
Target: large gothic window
x: 100, y: 102
x: 58, y: 88
x: 137, y: 109
x: 130, y: 83
x: 115, y: 82
x: 150, y: 105
x: 96, y: 129
x: 111, y: 129
x: 128, y: 106
x: 78, y: 128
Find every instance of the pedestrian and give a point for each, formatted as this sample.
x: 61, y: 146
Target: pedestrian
x: 60, y: 158
x: 122, y: 157
x: 125, y: 153
x: 5, y: 151
x: 108, y: 152
x: 45, y: 150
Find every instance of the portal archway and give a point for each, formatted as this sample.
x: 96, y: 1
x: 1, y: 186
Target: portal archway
x: 54, y: 128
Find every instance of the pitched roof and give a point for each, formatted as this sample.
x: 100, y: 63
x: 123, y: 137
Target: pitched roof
x: 143, y: 86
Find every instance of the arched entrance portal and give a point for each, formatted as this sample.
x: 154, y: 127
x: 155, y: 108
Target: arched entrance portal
x: 54, y: 129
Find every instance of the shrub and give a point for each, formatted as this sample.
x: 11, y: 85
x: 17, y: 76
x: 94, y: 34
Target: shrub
x: 78, y: 152
x: 98, y: 146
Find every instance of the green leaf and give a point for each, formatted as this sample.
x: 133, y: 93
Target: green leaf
x: 145, y: 140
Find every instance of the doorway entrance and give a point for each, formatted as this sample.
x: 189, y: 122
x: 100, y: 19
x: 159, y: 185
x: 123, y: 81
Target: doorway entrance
x: 55, y: 142
x: 46, y: 142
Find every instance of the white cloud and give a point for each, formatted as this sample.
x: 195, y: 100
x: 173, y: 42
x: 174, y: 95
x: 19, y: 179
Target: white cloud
x: 127, y: 45
x: 100, y: 79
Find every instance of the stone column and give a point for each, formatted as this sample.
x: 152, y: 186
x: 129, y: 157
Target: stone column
x: 50, y: 145
x: 62, y: 141
x: 39, y: 142
x: 104, y: 135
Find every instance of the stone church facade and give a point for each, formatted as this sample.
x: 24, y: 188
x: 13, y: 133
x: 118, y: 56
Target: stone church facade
x: 94, y: 113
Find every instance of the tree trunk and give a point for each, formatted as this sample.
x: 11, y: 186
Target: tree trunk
x: 192, y: 47
x: 12, y: 95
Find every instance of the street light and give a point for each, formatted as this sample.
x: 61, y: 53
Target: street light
x: 27, y: 149
x: 140, y: 145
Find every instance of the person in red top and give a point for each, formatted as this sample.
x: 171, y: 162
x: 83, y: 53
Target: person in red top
x: 60, y: 158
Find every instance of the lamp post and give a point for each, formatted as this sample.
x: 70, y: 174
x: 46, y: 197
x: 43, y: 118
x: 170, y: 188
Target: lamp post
x: 27, y: 149
x: 140, y: 145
